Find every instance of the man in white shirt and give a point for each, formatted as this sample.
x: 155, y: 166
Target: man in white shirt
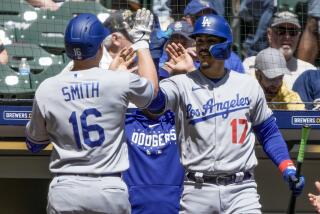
x: 283, y: 34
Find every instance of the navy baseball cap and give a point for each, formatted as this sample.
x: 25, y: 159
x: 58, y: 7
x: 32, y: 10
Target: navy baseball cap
x: 181, y: 28
x: 195, y: 6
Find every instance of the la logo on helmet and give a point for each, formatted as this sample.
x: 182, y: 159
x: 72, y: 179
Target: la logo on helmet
x: 206, y: 22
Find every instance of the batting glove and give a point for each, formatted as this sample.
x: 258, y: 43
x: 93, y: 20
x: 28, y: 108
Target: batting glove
x: 295, y: 184
x: 141, y: 30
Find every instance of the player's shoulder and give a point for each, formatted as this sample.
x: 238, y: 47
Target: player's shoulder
x: 45, y: 84
x: 245, y: 79
x: 242, y: 76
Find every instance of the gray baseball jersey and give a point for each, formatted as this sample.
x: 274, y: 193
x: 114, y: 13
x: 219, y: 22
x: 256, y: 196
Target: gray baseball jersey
x: 82, y: 114
x: 214, y: 120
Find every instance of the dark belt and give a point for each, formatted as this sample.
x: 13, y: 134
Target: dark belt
x: 219, y: 180
x: 90, y: 175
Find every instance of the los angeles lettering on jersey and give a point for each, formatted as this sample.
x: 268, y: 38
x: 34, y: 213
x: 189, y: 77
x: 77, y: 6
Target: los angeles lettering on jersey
x: 80, y: 91
x: 153, y: 140
x: 211, y: 109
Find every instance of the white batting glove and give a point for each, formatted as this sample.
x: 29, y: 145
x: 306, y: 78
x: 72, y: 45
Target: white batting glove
x: 141, y: 30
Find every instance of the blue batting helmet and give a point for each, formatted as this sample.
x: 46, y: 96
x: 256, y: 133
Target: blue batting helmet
x: 84, y: 35
x: 215, y: 25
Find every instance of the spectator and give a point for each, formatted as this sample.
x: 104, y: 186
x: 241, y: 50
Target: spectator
x: 3, y: 54
x: 161, y: 8
x: 256, y: 13
x: 180, y: 31
x: 117, y: 40
x: 283, y: 34
x: 270, y: 66
x: 308, y: 87
x: 309, y: 46
x: 197, y: 8
x: 315, y: 199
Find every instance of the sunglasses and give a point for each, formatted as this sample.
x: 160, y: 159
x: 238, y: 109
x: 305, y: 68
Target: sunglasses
x: 281, y: 31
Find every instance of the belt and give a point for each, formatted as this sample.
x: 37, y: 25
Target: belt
x: 89, y: 175
x: 199, y: 177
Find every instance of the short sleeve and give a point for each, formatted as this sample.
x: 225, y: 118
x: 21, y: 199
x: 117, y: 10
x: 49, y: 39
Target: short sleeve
x: 140, y: 91
x: 36, y: 131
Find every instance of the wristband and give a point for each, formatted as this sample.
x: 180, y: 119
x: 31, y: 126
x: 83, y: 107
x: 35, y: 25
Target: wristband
x: 2, y: 48
x: 285, y: 164
x: 142, y: 44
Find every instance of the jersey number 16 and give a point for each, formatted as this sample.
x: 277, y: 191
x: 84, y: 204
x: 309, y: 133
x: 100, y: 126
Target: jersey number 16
x: 86, y: 129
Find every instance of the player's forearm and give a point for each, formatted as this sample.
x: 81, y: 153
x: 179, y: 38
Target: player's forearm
x: 147, y: 69
x: 273, y: 143
x: 4, y: 58
x: 47, y: 4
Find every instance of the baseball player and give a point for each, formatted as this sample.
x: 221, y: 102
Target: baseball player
x: 82, y: 113
x: 217, y: 114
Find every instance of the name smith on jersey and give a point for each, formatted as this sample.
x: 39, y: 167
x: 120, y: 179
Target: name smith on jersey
x: 82, y: 90
x: 218, y: 108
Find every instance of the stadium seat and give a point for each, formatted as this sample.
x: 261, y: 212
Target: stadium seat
x: 53, y: 70
x: 7, y: 36
x: 288, y: 4
x: 16, y: 13
x: 69, y: 9
x: 47, y: 33
x: 14, y: 85
x: 37, y: 58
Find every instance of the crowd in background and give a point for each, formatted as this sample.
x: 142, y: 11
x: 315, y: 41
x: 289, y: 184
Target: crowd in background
x: 281, y: 53
x: 274, y: 28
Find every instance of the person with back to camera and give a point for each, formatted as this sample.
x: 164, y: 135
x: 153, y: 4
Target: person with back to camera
x: 218, y: 113
x: 82, y: 114
x: 307, y: 85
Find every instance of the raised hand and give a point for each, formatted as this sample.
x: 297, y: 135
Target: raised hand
x: 180, y: 60
x: 123, y: 60
x: 142, y: 26
x: 315, y: 199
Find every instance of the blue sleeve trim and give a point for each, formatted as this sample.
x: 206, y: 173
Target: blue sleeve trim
x: 272, y: 141
x: 158, y: 103
x: 35, y: 148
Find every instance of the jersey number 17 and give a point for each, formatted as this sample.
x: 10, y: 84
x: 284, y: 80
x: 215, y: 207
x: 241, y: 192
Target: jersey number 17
x: 235, y: 123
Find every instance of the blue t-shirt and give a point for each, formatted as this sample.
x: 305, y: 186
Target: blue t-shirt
x: 307, y: 85
x: 155, y: 175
